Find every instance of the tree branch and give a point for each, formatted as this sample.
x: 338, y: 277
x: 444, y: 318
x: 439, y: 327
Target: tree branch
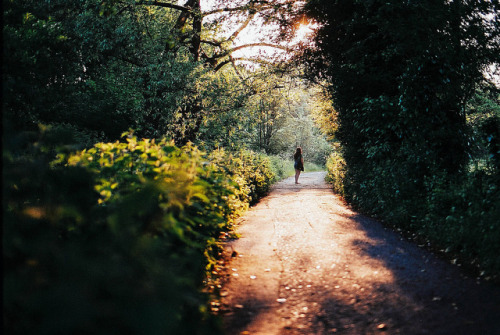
x: 260, y: 44
x: 214, y: 43
x: 227, y: 9
x: 181, y: 21
x: 243, y: 26
x: 165, y: 5
x: 245, y: 59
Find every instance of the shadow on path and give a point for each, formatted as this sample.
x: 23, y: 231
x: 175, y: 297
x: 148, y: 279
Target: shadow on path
x: 309, y: 265
x: 424, y: 295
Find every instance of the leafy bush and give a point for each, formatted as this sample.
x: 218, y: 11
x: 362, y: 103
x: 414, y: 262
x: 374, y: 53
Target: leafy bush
x: 257, y: 172
x: 462, y: 220
x: 121, y: 238
x: 457, y: 216
x: 335, y: 167
x: 283, y: 168
x: 455, y: 213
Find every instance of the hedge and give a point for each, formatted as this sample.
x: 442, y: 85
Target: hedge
x: 119, y: 238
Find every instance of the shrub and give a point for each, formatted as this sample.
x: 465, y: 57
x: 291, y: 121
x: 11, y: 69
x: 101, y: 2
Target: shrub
x: 335, y: 166
x: 256, y: 170
x: 281, y: 167
x: 462, y: 219
x: 120, y: 239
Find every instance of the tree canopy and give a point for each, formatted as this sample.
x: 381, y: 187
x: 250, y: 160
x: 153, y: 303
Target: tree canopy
x: 415, y: 116
x: 93, y: 69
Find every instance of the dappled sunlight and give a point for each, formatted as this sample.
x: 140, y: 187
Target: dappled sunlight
x: 309, y: 264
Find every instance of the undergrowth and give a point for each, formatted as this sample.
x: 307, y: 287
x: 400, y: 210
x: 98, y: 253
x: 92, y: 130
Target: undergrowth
x: 119, y: 238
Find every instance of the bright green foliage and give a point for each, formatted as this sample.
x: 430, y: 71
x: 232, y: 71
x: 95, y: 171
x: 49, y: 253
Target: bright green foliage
x: 119, y: 240
x: 282, y: 115
x: 281, y: 167
x: 253, y: 172
x: 335, y: 167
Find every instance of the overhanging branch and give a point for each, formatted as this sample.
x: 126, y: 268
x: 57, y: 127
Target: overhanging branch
x: 244, y: 59
x: 260, y: 44
x: 165, y: 5
x: 249, y: 6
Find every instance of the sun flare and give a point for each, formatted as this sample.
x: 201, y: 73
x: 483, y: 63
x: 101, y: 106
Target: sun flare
x: 304, y: 32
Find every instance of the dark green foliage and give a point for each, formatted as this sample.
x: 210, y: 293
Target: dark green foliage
x: 100, y: 68
x: 401, y: 74
x: 483, y: 115
x: 121, y: 240
x: 55, y: 72
x: 459, y: 217
x: 462, y: 219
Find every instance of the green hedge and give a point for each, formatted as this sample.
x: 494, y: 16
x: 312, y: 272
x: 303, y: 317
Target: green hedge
x: 119, y: 238
x: 458, y: 217
x: 335, y: 167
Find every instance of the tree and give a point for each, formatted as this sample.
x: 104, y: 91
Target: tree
x: 400, y: 75
x: 99, y: 68
x: 210, y: 34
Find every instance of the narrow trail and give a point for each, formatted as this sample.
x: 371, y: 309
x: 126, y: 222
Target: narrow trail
x: 307, y: 264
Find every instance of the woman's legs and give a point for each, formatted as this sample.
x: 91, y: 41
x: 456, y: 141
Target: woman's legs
x: 297, y: 174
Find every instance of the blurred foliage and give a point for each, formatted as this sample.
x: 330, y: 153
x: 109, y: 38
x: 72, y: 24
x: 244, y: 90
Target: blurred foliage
x: 118, y: 238
x: 483, y: 116
x: 283, y: 114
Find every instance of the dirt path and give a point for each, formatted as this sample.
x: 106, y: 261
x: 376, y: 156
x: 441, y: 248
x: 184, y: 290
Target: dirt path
x: 306, y: 264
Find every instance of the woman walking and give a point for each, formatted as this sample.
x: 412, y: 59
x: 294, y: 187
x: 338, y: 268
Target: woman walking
x: 299, y: 163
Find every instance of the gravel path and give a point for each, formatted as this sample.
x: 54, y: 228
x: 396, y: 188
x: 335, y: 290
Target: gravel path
x: 307, y: 264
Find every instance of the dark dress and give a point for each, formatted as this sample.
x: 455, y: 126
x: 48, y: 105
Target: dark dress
x: 298, y: 163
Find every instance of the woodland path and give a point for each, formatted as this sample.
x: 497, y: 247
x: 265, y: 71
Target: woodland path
x: 307, y: 264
